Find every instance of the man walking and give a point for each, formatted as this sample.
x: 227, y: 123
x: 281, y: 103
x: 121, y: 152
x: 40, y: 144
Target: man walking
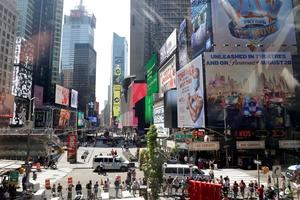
x: 96, y: 188
x: 59, y: 191
x: 89, y: 190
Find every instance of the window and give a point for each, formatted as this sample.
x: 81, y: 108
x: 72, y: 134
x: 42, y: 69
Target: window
x: 110, y: 160
x: 98, y: 159
x: 186, y: 171
x: 170, y: 170
x: 180, y: 170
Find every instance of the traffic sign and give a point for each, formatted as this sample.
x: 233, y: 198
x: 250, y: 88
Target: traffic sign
x: 276, y: 169
x: 257, y: 162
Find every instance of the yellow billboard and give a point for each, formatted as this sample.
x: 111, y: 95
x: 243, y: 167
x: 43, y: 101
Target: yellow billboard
x: 116, y: 100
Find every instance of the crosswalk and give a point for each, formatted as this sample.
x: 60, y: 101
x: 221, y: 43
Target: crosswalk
x: 239, y: 174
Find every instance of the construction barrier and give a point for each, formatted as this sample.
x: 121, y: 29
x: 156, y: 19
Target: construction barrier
x: 70, y: 181
x: 204, y: 191
x: 47, y: 184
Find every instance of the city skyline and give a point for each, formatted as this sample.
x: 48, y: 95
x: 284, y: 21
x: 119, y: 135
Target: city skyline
x: 104, y: 36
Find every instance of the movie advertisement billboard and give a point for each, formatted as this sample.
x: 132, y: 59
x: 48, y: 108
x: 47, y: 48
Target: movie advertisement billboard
x: 184, y: 43
x: 253, y: 26
x: 64, y: 118
x: 116, y: 100
x: 158, y: 121
x: 152, y: 69
x: 74, y: 99
x: 190, y: 95
x: 167, y: 76
x: 168, y: 47
x: 61, y: 95
x: 201, y: 26
x: 39, y: 96
x: 72, y: 148
x: 248, y: 89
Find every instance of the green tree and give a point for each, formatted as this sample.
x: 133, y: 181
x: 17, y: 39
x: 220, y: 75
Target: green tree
x: 152, y: 160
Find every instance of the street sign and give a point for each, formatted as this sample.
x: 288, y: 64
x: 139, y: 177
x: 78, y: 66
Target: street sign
x: 258, y: 162
x: 276, y: 169
x: 183, y: 136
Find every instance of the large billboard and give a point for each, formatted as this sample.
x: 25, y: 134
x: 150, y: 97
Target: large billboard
x: 201, y: 26
x: 168, y: 47
x: 61, y: 95
x: 80, y: 119
x: 21, y: 82
x: 21, y: 111
x: 190, y: 95
x: 64, y: 118
x: 152, y: 82
x: 261, y: 25
x: 158, y: 121
x: 249, y: 90
x: 167, y: 76
x: 184, y: 47
x: 116, y: 100
x: 74, y: 99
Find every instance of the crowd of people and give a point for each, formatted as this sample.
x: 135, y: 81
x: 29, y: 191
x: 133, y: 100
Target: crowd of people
x: 94, y: 190
x: 234, y: 190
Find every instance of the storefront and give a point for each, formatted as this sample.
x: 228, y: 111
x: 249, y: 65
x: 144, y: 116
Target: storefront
x: 205, y: 151
x: 247, y: 152
x: 289, y: 151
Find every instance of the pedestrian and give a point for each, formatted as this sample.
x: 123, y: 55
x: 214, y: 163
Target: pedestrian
x: 70, y: 188
x: 251, y: 189
x: 175, y: 184
x: 78, y: 188
x: 185, y: 159
x: 282, y: 183
x: 59, y: 190
x: 211, y: 174
x: 235, y: 189
x: 122, y: 186
x: 200, y: 164
x: 106, y: 186
x: 255, y: 187
x: 269, y: 180
x: 270, y: 193
x: 260, y: 192
x: 53, y: 190
x: 169, y: 183
x: 242, y: 188
x: 117, y: 187
x: 135, y: 187
x: 89, y: 190
x: 96, y: 189
x: 133, y: 174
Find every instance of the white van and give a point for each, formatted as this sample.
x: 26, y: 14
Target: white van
x: 182, y: 170
x: 110, y: 162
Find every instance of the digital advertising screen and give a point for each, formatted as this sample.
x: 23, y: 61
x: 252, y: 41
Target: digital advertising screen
x: 74, y: 99
x: 61, y: 95
x: 168, y: 47
x: 201, y: 26
x: 80, y: 119
x: 184, y: 43
x: 167, y: 76
x: 64, y: 118
x: 152, y: 79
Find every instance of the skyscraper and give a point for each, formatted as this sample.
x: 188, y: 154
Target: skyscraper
x: 8, y: 22
x: 84, y: 75
x: 78, y: 28
x: 25, y: 19
x: 119, y: 71
x: 152, y: 21
x: 47, y: 23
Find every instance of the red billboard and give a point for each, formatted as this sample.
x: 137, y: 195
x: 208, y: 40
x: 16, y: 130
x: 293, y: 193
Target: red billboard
x: 72, y: 148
